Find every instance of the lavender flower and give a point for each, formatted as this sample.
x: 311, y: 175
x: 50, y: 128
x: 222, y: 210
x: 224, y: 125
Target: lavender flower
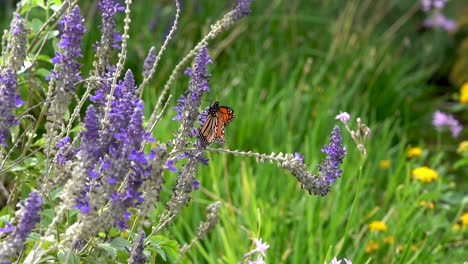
x: 335, y: 154
x: 72, y: 30
x: 110, y: 38
x: 118, y: 154
x: 137, y: 256
x: 441, y: 120
x: 241, y: 9
x: 18, y: 43
x: 29, y: 217
x: 187, y: 107
x: 8, y: 101
x: 149, y: 61
x: 298, y: 156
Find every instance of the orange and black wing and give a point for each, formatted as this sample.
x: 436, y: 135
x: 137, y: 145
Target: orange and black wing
x: 207, y: 132
x: 217, y: 119
x: 224, y: 116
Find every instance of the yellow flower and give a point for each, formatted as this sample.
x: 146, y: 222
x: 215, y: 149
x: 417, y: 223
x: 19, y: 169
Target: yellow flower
x: 429, y: 205
x: 414, y: 152
x: 424, y: 174
x: 455, y: 227
x: 372, y: 246
x: 377, y: 226
x: 464, y: 93
x: 413, y: 248
x: 389, y: 239
x: 464, y: 220
x: 462, y: 147
x: 384, y: 164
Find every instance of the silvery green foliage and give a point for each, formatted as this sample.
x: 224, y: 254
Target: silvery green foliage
x: 110, y: 173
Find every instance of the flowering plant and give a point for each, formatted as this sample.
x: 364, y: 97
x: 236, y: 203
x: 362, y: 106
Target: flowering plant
x: 101, y: 160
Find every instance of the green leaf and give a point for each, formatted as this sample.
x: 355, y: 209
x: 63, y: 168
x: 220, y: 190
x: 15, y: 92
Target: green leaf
x: 36, y: 25
x: 460, y: 164
x: 65, y: 256
x: 43, y: 73
x: 109, y: 249
x: 166, y: 248
x: 113, y: 232
x: 121, y: 243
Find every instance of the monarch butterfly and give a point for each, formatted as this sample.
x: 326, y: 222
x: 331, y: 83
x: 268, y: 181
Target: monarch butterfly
x: 218, y: 117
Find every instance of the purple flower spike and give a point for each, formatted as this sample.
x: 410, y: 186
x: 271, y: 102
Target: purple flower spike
x: 72, y: 30
x: 109, y: 9
x: 137, y: 256
x: 242, y: 9
x: 335, y: 155
x: 29, y: 217
x: 8, y: 101
x: 149, y: 61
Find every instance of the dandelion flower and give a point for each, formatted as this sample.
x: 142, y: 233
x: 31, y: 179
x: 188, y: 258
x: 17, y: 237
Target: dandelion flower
x: 464, y: 220
x: 429, y: 205
x: 372, y: 246
x: 462, y: 147
x: 384, y: 164
x: 425, y: 174
x: 389, y: 239
x: 377, y: 226
x: 414, y: 152
x: 464, y: 93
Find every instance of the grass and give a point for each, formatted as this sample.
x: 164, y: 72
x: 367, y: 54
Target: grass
x: 287, y: 71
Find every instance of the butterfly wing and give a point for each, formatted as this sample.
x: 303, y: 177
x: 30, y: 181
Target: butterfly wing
x: 224, y: 116
x: 207, y: 132
x: 214, y: 127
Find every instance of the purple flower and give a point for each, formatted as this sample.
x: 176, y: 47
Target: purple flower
x: 343, y: 117
x: 29, y: 217
x: 68, y: 69
x: 438, y: 20
x: 427, y: 5
x: 149, y: 61
x: 170, y: 165
x: 110, y: 38
x: 8, y: 101
x: 137, y: 256
x: 335, y: 155
x: 298, y: 156
x: 18, y: 25
x: 196, y: 185
x: 63, y: 142
x: 7, y: 229
x: 241, y: 9
x: 109, y: 8
x: 260, y: 247
x: 188, y: 104
x: 441, y: 120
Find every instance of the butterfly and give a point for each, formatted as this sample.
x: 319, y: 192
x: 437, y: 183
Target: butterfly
x: 217, y: 118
